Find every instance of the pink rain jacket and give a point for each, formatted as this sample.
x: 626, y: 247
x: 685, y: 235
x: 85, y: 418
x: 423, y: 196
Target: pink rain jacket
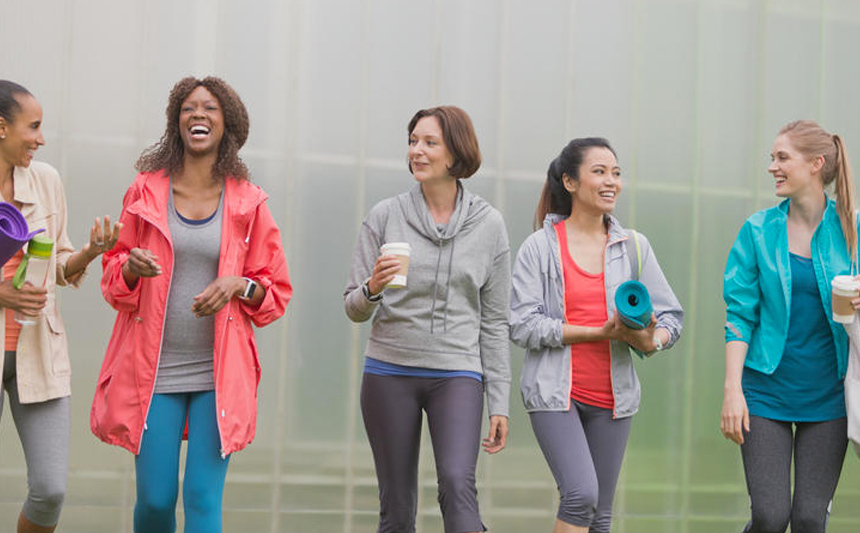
x: 250, y: 247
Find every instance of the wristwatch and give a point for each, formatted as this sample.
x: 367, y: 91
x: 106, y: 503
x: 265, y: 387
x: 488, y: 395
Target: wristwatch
x: 365, y: 290
x: 250, y: 287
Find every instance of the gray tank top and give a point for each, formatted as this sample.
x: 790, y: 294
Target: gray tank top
x: 188, y: 344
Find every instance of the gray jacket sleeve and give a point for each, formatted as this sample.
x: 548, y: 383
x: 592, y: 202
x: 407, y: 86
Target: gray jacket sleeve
x: 531, y: 326
x: 358, y: 308
x: 667, y: 308
x: 494, y: 344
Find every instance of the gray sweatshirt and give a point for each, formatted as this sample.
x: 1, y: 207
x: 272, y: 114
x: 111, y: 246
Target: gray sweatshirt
x: 453, y: 314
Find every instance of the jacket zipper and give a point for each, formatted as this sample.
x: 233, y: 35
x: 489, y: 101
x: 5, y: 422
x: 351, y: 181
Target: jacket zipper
x: 611, y: 368
x: 564, y: 317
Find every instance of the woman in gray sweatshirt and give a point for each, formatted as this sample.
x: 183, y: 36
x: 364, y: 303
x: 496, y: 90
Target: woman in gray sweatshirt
x: 578, y: 381
x: 437, y: 344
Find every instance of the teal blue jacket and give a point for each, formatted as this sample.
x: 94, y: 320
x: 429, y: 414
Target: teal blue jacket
x: 757, y: 284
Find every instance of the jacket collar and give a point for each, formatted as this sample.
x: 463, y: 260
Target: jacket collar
x: 615, y: 232
x: 241, y: 197
x: 24, y: 192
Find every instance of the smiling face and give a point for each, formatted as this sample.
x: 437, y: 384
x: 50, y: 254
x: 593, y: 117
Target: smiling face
x: 599, y: 182
x: 23, y: 135
x: 794, y: 174
x: 201, y: 122
x: 429, y: 158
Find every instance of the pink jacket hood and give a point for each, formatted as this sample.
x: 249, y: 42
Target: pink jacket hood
x: 250, y: 247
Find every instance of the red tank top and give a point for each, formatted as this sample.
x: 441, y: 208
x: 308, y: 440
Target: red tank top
x: 585, y: 305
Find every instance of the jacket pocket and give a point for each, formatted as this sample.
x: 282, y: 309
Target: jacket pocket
x: 57, y: 344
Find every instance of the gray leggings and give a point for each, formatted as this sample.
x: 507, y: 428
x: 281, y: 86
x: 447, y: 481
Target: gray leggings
x: 391, y: 407
x: 584, y: 448
x: 819, y: 451
x: 44, y: 432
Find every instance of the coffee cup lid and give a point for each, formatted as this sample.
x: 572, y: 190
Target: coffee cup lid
x: 846, y: 283
x: 396, y: 246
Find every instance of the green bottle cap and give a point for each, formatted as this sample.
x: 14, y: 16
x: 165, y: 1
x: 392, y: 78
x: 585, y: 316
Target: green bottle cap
x: 41, y: 246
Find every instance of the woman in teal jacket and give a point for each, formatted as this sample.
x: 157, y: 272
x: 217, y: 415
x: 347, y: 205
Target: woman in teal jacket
x: 785, y: 357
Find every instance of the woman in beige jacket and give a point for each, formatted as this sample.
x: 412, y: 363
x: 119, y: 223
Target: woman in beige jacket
x: 35, y: 367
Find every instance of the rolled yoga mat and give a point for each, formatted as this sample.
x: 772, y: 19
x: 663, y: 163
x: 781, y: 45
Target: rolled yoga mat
x: 633, y: 304
x: 14, y: 233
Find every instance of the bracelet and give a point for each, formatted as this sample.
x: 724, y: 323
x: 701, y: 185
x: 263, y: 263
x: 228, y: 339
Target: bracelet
x: 658, y: 344
x: 365, y: 290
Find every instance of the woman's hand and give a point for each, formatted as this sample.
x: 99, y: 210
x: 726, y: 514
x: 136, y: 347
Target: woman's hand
x: 103, y: 237
x: 217, y: 294
x: 141, y: 264
x: 498, y: 436
x: 384, y: 270
x: 29, y: 300
x: 641, y: 339
x: 735, y: 418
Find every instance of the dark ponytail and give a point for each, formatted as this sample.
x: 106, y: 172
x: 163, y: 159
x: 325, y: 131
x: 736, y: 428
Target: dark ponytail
x: 555, y: 198
x: 9, y: 106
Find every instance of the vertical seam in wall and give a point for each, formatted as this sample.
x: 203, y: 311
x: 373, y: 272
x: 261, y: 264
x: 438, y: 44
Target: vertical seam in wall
x: 759, y: 66
x: 355, y: 356
x: 569, y: 118
x: 284, y: 409
x: 634, y: 111
x: 64, y: 134
x: 691, y: 316
x: 819, y: 107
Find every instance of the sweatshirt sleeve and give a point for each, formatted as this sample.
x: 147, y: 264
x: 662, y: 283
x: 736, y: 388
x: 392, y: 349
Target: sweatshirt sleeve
x: 531, y: 326
x: 358, y: 308
x: 741, y: 290
x: 493, y: 341
x: 667, y: 308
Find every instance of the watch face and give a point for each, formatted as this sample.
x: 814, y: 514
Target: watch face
x: 249, y: 289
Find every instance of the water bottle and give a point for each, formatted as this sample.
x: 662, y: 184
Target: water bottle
x: 33, y: 268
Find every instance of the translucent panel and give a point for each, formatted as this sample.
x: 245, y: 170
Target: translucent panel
x: 691, y: 94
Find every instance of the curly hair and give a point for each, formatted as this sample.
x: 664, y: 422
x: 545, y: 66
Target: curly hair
x: 169, y: 152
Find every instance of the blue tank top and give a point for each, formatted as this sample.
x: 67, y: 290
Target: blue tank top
x: 805, y: 387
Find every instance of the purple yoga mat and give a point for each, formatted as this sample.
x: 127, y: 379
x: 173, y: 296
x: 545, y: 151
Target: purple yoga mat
x: 14, y: 233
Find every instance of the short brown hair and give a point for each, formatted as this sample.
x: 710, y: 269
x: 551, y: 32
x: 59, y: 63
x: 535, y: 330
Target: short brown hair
x: 459, y: 136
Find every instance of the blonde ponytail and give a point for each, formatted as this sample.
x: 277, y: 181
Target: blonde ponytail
x: 845, y: 197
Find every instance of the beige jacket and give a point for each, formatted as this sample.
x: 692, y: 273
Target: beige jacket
x: 42, y: 360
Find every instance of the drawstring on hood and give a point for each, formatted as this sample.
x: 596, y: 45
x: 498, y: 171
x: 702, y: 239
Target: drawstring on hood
x: 468, y: 211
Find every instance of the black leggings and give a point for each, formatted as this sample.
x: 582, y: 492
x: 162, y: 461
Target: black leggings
x: 819, y: 451
x: 392, y: 409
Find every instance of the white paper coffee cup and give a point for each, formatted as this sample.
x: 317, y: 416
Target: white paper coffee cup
x: 402, y: 251
x: 845, y: 289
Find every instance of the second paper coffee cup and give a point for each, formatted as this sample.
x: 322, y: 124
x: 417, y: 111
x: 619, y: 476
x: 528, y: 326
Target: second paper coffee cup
x: 845, y: 289
x: 402, y: 250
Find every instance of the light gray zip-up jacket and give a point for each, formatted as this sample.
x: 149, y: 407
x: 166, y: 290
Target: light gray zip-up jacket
x: 453, y: 314
x: 537, y: 316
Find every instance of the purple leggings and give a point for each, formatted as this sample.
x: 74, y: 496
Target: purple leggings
x: 392, y: 409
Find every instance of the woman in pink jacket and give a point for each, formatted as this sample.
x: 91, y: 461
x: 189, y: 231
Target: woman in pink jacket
x: 199, y: 259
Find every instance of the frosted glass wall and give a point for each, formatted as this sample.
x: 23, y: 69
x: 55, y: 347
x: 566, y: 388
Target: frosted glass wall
x: 691, y: 93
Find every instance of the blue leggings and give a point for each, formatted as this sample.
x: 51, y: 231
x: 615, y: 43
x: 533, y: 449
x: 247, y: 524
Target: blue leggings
x: 157, y: 465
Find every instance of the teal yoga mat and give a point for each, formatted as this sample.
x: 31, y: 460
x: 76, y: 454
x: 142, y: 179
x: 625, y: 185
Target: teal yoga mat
x: 633, y: 304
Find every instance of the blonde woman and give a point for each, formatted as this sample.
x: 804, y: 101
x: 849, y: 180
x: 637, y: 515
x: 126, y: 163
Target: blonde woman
x: 785, y: 357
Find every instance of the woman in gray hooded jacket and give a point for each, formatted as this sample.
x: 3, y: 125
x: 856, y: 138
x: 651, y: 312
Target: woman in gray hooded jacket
x: 439, y: 343
x: 578, y: 381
